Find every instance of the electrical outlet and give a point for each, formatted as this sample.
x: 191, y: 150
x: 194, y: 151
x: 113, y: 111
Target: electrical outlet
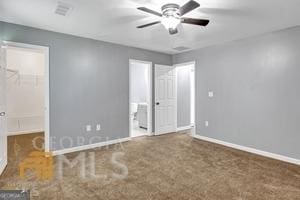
x: 210, y: 94
x: 206, y: 123
x: 88, y: 128
x: 98, y: 127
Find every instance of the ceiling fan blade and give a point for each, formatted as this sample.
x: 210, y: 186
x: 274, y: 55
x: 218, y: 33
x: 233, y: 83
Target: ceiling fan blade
x: 200, y: 22
x: 173, y: 31
x: 150, y: 24
x: 150, y: 11
x: 189, y: 6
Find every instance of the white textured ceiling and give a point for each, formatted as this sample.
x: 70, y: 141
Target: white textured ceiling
x: 116, y: 20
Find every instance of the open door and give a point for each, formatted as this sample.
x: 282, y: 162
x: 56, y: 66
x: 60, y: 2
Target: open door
x: 3, y: 137
x: 165, y: 99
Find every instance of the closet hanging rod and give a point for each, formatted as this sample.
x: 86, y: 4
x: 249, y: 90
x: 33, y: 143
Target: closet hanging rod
x: 10, y: 70
x: 13, y: 71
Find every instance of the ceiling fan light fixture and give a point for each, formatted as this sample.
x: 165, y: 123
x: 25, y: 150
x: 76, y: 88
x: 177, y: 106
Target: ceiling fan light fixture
x: 170, y: 22
x: 172, y: 15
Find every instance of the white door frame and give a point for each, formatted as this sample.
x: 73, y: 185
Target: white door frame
x: 149, y: 107
x: 45, y: 49
x: 155, y: 110
x: 192, y: 126
x: 3, y: 150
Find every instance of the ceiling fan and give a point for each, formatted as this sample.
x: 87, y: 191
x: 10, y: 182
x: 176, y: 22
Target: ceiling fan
x: 172, y: 16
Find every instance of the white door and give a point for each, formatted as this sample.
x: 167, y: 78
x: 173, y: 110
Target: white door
x: 165, y: 99
x: 3, y: 137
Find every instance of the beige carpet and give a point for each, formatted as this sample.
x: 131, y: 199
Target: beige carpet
x: 173, y: 166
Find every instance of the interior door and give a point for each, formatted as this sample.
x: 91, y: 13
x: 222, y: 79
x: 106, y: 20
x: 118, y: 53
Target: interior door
x: 165, y: 99
x: 3, y: 137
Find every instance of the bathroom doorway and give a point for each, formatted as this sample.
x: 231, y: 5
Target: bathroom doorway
x: 140, y: 98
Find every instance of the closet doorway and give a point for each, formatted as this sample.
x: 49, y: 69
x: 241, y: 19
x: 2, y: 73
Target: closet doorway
x: 27, y: 92
x: 185, y: 87
x: 140, y: 98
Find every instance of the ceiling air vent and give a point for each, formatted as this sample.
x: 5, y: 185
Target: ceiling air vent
x: 63, y: 8
x: 181, y: 48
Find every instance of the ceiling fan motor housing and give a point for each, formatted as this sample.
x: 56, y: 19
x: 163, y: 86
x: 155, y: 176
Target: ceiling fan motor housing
x: 171, y: 10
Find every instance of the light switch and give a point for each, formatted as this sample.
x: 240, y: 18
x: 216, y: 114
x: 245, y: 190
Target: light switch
x: 206, y: 123
x: 98, y: 127
x: 88, y: 128
x: 210, y: 94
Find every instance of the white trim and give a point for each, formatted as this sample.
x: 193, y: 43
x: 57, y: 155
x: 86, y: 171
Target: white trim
x: 25, y: 132
x: 149, y: 107
x: 183, y: 128
x: 251, y: 150
x: 3, y: 157
x: 47, y: 101
x: 3, y: 164
x: 45, y: 50
x: 90, y: 146
x: 193, y: 94
x: 176, y: 98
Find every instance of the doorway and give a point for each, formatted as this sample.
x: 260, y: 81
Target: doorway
x: 25, y: 109
x: 140, y: 98
x: 185, y: 87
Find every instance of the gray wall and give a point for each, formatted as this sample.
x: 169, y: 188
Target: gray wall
x: 256, y: 84
x: 89, y: 82
x: 183, y: 96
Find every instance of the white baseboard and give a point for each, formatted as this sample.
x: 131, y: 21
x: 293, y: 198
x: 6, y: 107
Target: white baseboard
x: 24, y: 132
x: 158, y: 134
x: 251, y: 150
x: 90, y: 146
x: 183, y: 128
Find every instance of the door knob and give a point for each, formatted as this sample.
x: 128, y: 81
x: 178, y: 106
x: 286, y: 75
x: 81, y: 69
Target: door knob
x: 2, y: 114
x: 157, y: 103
